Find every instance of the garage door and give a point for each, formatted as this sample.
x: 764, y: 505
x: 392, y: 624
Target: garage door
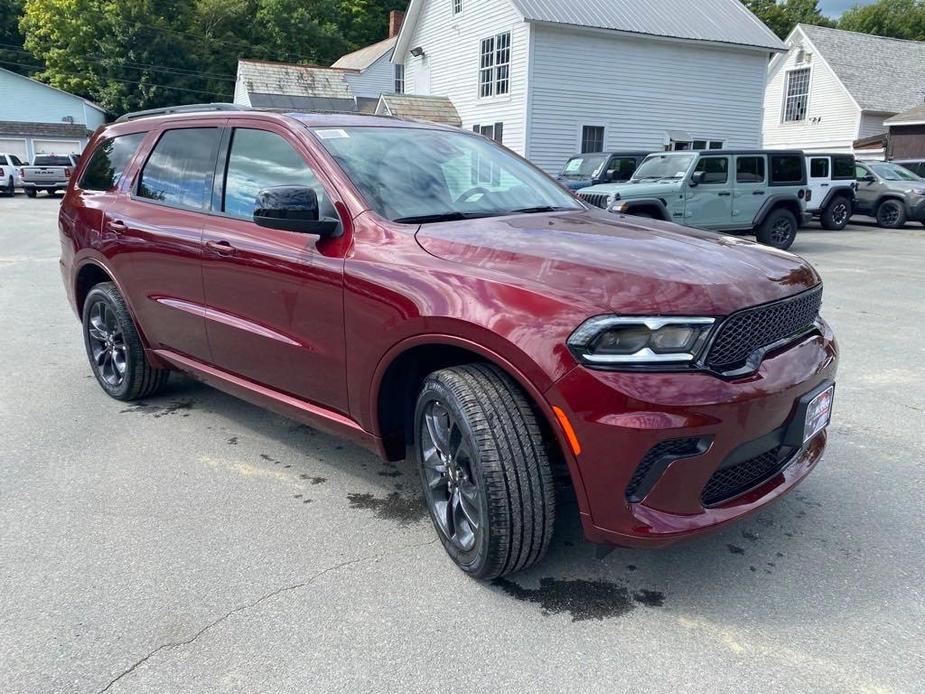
x: 13, y: 146
x: 56, y: 146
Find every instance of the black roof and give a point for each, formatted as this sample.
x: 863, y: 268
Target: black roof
x: 616, y: 152
x: 736, y: 152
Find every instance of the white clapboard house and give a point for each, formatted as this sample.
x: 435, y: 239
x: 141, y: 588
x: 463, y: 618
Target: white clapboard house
x: 833, y: 88
x: 550, y: 78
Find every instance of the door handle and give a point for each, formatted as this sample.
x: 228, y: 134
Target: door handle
x: 757, y: 192
x: 724, y: 194
x: 221, y: 247
x: 116, y: 227
x: 824, y: 185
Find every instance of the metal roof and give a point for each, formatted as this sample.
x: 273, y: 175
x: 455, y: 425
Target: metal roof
x: 882, y: 75
x: 366, y: 56
x: 718, y: 21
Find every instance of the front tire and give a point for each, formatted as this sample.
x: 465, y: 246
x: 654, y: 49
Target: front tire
x: 114, y: 348
x: 485, y: 470
x: 891, y: 214
x: 779, y: 229
x: 835, y: 217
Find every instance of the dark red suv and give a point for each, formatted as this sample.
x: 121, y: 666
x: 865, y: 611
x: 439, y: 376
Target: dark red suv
x: 424, y: 291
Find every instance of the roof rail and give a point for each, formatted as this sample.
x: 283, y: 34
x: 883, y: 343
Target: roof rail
x: 188, y: 108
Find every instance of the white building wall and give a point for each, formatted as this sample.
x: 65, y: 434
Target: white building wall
x: 639, y: 89
x: 872, y: 124
x: 832, y: 116
x: 450, y: 66
x: 241, y: 96
x: 378, y: 78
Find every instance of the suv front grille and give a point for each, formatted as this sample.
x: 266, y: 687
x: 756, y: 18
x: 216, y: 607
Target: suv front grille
x: 745, y: 332
x: 728, y: 482
x: 596, y: 199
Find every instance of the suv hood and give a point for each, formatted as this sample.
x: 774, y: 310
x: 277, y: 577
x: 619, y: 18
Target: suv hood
x: 622, y: 265
x: 627, y: 191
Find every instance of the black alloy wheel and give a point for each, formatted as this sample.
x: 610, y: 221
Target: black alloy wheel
x: 891, y: 214
x: 779, y: 229
x: 106, y: 344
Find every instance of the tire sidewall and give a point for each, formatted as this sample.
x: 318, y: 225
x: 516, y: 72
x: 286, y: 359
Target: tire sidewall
x: 764, y: 235
x: 101, y: 295
x: 828, y: 220
x: 474, y: 560
x: 901, y: 218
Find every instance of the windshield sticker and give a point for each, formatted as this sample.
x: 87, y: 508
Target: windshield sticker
x: 332, y: 134
x: 573, y: 165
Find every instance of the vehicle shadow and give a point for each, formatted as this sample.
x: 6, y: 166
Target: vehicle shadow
x: 788, y: 561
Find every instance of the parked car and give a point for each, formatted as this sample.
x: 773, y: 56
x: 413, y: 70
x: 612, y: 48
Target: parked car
x: 49, y: 172
x: 832, y: 183
x: 916, y: 166
x: 764, y: 192
x: 589, y: 169
x: 358, y: 274
x: 10, y: 178
x: 890, y: 193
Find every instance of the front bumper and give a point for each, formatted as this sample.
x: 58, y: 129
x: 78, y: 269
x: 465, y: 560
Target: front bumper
x: 915, y: 209
x: 619, y: 417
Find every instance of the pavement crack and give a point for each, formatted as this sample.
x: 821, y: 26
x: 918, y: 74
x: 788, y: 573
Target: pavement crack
x: 253, y: 603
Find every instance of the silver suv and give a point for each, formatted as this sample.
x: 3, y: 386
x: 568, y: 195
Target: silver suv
x: 889, y: 192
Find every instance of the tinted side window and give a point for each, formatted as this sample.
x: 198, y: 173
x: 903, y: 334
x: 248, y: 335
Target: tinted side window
x: 715, y: 168
x: 179, y: 170
x: 621, y: 169
x: 14, y: 160
x: 860, y: 172
x: 787, y: 169
x: 109, y: 161
x: 259, y: 159
x: 750, y: 170
x: 819, y: 168
x: 52, y: 160
x: 843, y: 167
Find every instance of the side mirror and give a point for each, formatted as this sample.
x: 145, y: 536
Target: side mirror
x: 697, y: 178
x: 867, y: 179
x: 293, y: 208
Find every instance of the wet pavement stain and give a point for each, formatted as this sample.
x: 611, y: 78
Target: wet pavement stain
x: 314, y: 480
x: 749, y: 535
x: 174, y: 408
x: 271, y: 459
x: 735, y: 549
x: 391, y: 473
x: 405, y: 510
x: 582, y: 599
x: 233, y: 441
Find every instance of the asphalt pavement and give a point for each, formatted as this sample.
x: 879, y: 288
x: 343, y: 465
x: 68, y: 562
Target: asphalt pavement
x: 196, y: 543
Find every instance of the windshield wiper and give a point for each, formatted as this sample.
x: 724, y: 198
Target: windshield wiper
x: 441, y: 217
x: 539, y: 208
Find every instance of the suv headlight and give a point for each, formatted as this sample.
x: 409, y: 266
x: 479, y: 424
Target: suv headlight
x: 639, y: 341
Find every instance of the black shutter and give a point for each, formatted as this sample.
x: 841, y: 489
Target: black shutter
x: 499, y: 132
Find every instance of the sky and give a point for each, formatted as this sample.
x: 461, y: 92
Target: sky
x: 833, y: 8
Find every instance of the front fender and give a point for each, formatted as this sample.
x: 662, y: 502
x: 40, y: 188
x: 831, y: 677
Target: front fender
x: 656, y: 206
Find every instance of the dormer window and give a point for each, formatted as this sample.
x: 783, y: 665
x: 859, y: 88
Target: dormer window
x: 495, y: 65
x: 796, y: 96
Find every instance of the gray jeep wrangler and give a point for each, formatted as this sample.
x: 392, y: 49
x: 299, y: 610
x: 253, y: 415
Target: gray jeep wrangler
x: 755, y: 191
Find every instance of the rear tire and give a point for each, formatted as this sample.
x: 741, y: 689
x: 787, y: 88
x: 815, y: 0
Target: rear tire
x: 835, y: 217
x: 10, y: 187
x: 485, y: 470
x: 779, y: 229
x: 114, y: 348
x: 891, y: 214
x: 30, y: 192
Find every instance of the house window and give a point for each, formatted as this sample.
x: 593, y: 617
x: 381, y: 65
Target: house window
x: 457, y: 6
x: 495, y: 65
x: 683, y: 145
x: 482, y: 170
x: 399, y: 79
x: 797, y: 95
x: 592, y: 138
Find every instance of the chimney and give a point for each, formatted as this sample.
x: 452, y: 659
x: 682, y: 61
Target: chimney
x: 395, y: 19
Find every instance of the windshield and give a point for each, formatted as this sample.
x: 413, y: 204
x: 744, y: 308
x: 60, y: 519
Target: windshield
x: 584, y: 166
x: 894, y: 172
x: 414, y: 176
x: 51, y: 160
x: 659, y: 166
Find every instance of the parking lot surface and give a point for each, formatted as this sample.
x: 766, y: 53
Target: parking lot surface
x: 195, y: 543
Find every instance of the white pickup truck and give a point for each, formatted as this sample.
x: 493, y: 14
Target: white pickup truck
x: 49, y: 172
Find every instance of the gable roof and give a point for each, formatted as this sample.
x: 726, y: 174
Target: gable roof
x: 48, y: 86
x: 293, y: 80
x: 366, y: 56
x: 436, y: 109
x: 881, y: 74
x: 713, y: 21
x: 914, y: 116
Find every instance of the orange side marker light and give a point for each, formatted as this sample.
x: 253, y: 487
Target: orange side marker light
x: 569, y: 431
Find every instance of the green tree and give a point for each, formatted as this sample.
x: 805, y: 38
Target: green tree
x: 12, y: 56
x: 901, y: 19
x: 782, y: 17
